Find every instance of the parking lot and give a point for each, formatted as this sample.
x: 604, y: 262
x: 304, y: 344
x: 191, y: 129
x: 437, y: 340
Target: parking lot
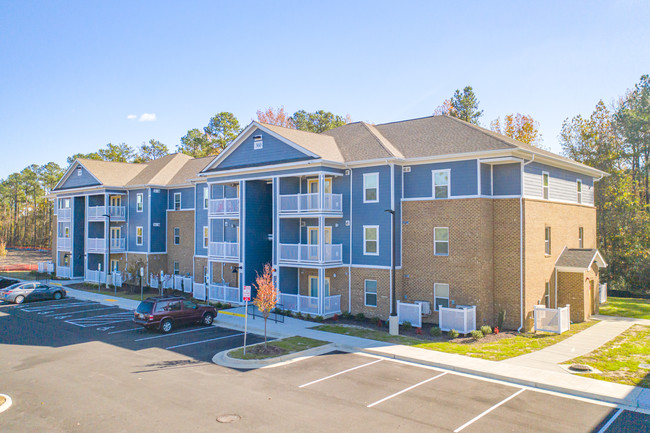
x: 82, y: 366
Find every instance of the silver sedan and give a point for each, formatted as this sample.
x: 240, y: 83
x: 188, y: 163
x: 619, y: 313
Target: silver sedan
x: 21, y: 292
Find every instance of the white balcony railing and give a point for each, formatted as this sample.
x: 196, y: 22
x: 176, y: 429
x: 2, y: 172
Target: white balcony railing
x: 224, y: 250
x: 223, y: 206
x: 311, y: 304
x: 303, y: 253
x: 95, y: 245
x: 299, y: 203
x: 64, y: 244
x: 64, y: 214
x: 223, y: 292
x: 118, y: 244
x: 117, y: 213
x: 63, y: 272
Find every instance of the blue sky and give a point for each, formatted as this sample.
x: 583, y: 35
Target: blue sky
x: 72, y: 72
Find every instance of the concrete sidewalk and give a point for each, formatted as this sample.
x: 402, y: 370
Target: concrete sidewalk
x: 522, y: 373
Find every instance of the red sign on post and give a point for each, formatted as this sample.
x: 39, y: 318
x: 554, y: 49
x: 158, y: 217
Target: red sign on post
x: 247, y: 293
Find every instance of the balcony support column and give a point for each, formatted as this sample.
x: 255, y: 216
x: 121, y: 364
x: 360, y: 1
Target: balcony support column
x: 321, y: 291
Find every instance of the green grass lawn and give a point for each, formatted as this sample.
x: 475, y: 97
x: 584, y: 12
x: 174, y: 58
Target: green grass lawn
x: 619, y: 359
x: 626, y: 307
x: 495, y: 350
x: 287, y: 346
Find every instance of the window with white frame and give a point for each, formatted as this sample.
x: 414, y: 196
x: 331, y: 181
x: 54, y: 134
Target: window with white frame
x: 545, y: 186
x: 440, y: 296
x: 371, y: 240
x: 547, y: 241
x: 139, y: 202
x: 138, y: 236
x: 205, y: 236
x: 579, y: 190
x: 441, y: 241
x: 581, y: 233
x: 177, y: 268
x: 371, y: 187
x: 206, y: 197
x: 79, y: 171
x: 177, y: 235
x: 441, y: 184
x: 177, y: 201
x: 370, y: 290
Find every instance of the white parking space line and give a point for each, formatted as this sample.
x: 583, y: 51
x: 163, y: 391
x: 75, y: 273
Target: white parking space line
x: 204, y: 341
x: 55, y: 307
x: 406, y: 390
x: 174, y: 333
x: 340, y: 372
x: 60, y: 301
x: 126, y: 330
x: 611, y: 421
x: 70, y: 313
x: 105, y: 319
x: 471, y: 421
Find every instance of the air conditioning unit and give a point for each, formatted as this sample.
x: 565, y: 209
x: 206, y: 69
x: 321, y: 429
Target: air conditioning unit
x: 426, y: 307
x: 406, y: 169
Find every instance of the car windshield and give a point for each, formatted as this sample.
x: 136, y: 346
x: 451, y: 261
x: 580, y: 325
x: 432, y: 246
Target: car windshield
x: 145, y: 307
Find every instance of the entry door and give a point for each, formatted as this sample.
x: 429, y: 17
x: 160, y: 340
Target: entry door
x: 592, y: 296
x: 116, y: 200
x: 313, y: 242
x: 115, y: 266
x: 116, y: 234
x: 312, y: 185
x: 313, y: 287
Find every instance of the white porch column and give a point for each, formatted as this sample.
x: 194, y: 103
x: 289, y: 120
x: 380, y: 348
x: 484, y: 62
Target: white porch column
x: 321, y: 291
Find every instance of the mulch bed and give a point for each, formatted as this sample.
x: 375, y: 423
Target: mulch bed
x: 268, y: 350
x: 487, y: 339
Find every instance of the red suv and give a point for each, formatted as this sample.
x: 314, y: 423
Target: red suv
x: 167, y: 312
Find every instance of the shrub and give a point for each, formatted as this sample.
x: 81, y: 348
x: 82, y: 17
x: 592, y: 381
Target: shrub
x: 360, y: 317
x: 452, y: 333
x: 277, y: 310
x: 476, y: 334
x: 218, y: 305
x: 308, y: 317
x: 298, y: 315
x: 407, y: 325
x: 435, y: 331
x: 319, y: 318
x: 288, y: 313
x: 485, y: 329
x: 346, y: 315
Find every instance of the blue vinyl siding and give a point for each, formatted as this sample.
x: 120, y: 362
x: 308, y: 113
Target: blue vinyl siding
x: 562, y: 183
x: 158, y: 216
x: 76, y: 181
x: 273, y: 151
x: 259, y: 224
x: 79, y: 236
x: 463, y: 179
x: 398, y: 215
x: 200, y: 220
x: 289, y: 185
x: 187, y: 198
x: 138, y: 219
x: 486, y: 179
x: 371, y: 214
x: 506, y: 179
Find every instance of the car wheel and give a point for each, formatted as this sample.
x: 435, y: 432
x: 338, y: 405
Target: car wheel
x: 19, y: 299
x: 208, y: 318
x: 57, y: 295
x: 166, y: 326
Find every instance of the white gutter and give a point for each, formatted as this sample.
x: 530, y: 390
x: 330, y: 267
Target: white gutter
x: 521, y: 245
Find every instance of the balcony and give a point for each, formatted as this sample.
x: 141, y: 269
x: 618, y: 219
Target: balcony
x: 226, y: 251
x: 222, y: 207
x: 223, y: 293
x: 63, y: 214
x: 118, y: 245
x: 311, y: 254
x: 311, y: 304
x: 99, y: 245
x: 64, y: 244
x: 292, y: 204
x: 96, y: 213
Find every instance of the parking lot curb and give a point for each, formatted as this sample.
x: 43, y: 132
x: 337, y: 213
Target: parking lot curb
x: 7, y: 404
x: 250, y: 330
x: 224, y: 360
x: 631, y: 400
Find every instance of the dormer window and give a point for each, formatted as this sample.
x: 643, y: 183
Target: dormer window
x: 257, y: 142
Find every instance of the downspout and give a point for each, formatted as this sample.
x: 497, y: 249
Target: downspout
x: 521, y: 246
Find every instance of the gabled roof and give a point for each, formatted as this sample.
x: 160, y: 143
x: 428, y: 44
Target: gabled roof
x: 579, y: 259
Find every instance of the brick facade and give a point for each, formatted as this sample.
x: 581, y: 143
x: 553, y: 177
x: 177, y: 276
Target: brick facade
x: 199, y: 264
x: 152, y: 263
x: 184, y: 252
x: 224, y: 270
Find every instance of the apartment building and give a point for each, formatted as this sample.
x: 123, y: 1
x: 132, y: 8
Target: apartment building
x: 480, y: 219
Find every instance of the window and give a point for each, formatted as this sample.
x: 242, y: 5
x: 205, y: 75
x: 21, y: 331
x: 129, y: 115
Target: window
x: 139, y: 200
x: 206, y: 197
x: 547, y: 294
x: 177, y: 236
x: 371, y: 240
x: 177, y: 268
x: 441, y: 184
x: 138, y: 236
x: 581, y: 233
x: 440, y: 296
x: 371, y: 187
x: 579, y: 190
x: 177, y: 201
x: 545, y: 185
x: 205, y: 236
x: 370, y: 289
x: 441, y: 241
x: 79, y: 171
x: 66, y: 232
x: 115, y: 265
x: 547, y: 241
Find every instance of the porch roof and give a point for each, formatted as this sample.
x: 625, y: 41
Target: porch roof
x: 579, y: 259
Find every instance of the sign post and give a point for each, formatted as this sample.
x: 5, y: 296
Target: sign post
x: 247, y: 297
x: 141, y: 289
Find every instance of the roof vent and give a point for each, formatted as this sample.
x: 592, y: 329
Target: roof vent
x: 257, y: 143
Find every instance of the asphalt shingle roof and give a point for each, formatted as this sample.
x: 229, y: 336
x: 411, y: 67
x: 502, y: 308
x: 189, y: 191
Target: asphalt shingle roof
x: 576, y: 258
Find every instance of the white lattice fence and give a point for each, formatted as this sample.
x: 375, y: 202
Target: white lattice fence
x: 555, y: 320
x: 462, y: 319
x: 411, y: 313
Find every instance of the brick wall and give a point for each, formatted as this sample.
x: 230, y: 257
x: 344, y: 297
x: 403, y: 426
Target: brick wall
x: 199, y: 263
x: 338, y: 282
x: 153, y: 263
x: 506, y: 242
x: 224, y: 270
x: 564, y: 220
x: 358, y: 277
x: 184, y: 252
